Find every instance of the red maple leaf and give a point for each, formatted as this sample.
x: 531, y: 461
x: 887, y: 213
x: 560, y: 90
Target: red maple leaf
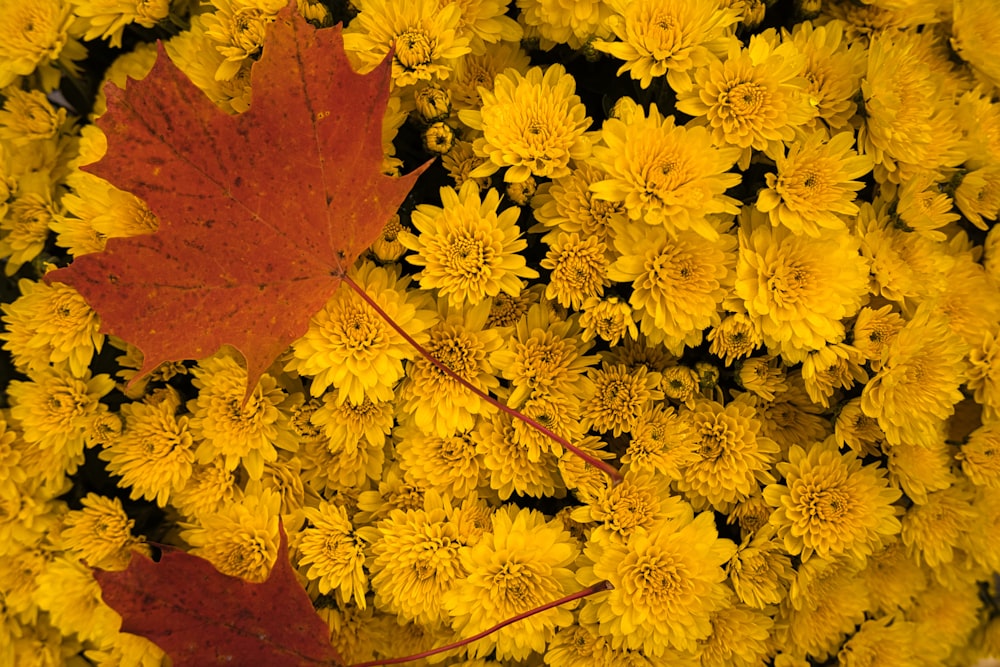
x: 261, y: 214
x: 201, y: 617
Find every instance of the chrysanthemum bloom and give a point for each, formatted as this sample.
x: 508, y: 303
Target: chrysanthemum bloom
x: 874, y: 331
x: 642, y: 501
x: 100, y: 533
x: 975, y: 29
x: 970, y: 298
x: 918, y: 385
x: 893, y: 579
x: 579, y: 269
x: 760, y: 571
x: 568, y: 205
x: 833, y: 69
x: 450, y: 464
x: 830, y: 505
x: 522, y: 564
x: 104, y: 210
x: 513, y: 467
x: 484, y: 22
x: 814, y: 187
x: 619, y: 396
x: 107, y: 19
x: 38, y: 37
x: 946, y: 616
x: 347, y: 462
x: 680, y: 384
x: 531, y: 124
x: 578, y: 645
x: 241, y: 433
x: 209, y: 488
x: 240, y: 539
x: 332, y: 554
x: 857, y: 430
x: 347, y: 423
x: 28, y: 116
x: 980, y: 456
x: 50, y: 324
x: 679, y: 280
x: 350, y: 347
x: 459, y: 163
x: 154, y: 454
x: 666, y: 585
x: 887, y: 640
x: 920, y: 469
x: 468, y: 251
x: 237, y: 27
x: 545, y: 355
x: 570, y: 22
x: 831, y: 367
x: 395, y: 491
x: 740, y: 638
x: 435, y: 402
x: 667, y: 37
x: 25, y: 228
x: 476, y: 71
x: 558, y: 412
x: 661, y: 442
x: 609, y: 319
x: 978, y: 195
x: 422, y: 35
x: 798, y: 289
x: 668, y: 175
x: 69, y: 593
x: 934, y: 532
x: 734, y: 457
x: 763, y: 376
x: 754, y: 99
x: 923, y: 208
x: 54, y: 410
x: 733, y: 338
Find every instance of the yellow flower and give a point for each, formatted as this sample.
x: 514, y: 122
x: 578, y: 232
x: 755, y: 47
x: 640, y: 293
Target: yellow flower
x: 25, y: 229
x: 531, y: 124
x: 240, y: 539
x: 578, y: 645
x: 970, y: 298
x: 798, y: 289
x: 857, y: 430
x: 763, y: 376
x: 468, y: 251
x: 514, y: 467
x: 935, y: 532
x: 680, y: 384
x: 641, y: 502
x: 830, y: 505
x: 978, y: 195
x: 918, y: 385
x: 436, y: 403
x: 668, y: 175
x: 760, y: 572
x: 107, y: 19
x: 51, y: 324
x: 883, y: 641
x: 666, y: 584
x: 619, y: 396
x: 568, y: 205
x: 68, y: 591
x: 38, y: 38
x: 570, y: 22
x: 28, y: 116
x: 830, y: 368
x: 350, y: 347
x: 740, y: 638
x: 814, y: 187
x: 945, y: 616
x: 238, y: 28
x: 476, y: 71
x: 661, y: 442
x: 734, y: 457
x: 918, y: 469
x: 353, y: 447
x: 522, y: 564
x: 923, y: 208
x: 189, y: 52
x: 105, y: 210
x: 667, y: 37
x: 733, y: 338
x: 679, y: 280
x: 484, y: 22
x: 560, y: 413
x: 422, y: 35
x: 579, y: 269
x: 209, y: 488
x: 448, y: 464
x: 975, y: 30
x: 100, y: 533
x: 459, y: 162
x: 892, y: 579
x: 154, y: 454
x: 223, y: 425
x: 754, y: 99
x: 833, y: 69
x: 609, y: 319
x: 980, y: 456
x: 332, y: 554
x: 875, y: 331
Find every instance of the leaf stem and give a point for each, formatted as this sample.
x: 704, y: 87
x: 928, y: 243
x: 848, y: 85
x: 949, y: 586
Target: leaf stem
x: 603, y: 466
x: 590, y: 590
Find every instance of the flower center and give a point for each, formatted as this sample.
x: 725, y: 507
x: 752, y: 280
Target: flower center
x: 745, y: 99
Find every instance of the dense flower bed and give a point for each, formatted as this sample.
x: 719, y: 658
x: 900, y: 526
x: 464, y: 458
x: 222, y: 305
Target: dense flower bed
x: 743, y: 252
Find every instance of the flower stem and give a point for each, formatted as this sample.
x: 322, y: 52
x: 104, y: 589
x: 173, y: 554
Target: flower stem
x: 603, y: 466
x: 590, y: 590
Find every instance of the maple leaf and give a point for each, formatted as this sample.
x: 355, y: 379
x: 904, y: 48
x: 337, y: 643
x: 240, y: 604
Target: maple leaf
x: 261, y: 214
x: 200, y: 617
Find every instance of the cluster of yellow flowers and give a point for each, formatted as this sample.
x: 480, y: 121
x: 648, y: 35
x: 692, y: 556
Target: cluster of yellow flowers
x: 747, y: 256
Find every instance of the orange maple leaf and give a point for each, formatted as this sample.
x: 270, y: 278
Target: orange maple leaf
x: 261, y: 214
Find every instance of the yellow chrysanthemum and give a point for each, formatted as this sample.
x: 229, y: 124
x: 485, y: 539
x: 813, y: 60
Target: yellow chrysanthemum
x: 760, y: 571
x: 579, y: 269
x: 422, y: 35
x: 619, y: 397
x: 764, y: 376
x: 350, y: 347
x: 241, y: 432
x: 514, y: 467
x: 831, y: 368
x: 522, y: 564
x: 668, y: 175
x: 609, y: 319
x: 754, y: 99
x: 830, y: 505
x: 814, y: 185
x: 740, y: 638
x: 558, y: 412
x: 833, y: 69
x: 946, y: 616
x: 980, y: 456
x: 568, y: 205
x: 918, y: 385
x: 38, y: 38
x: 25, y: 228
x: 476, y: 71
x: 667, y: 37
x: 531, y: 124
x: 467, y: 250
x: 923, y: 208
x: 237, y: 27
x: 874, y: 331
x: 189, y: 52
x: 68, y: 591
x: 571, y: 22
x: 798, y: 289
x: 978, y: 195
x: 934, y: 532
x: 661, y: 442
x: 733, y: 338
x: 240, y: 539
x: 882, y: 642
x: 107, y: 19
x: 105, y: 211
x: 734, y: 457
x: 666, y: 584
x: 642, y: 501
x: 919, y: 469
x: 578, y: 645
x: 50, y: 324
x: 209, y: 488
x: 435, y: 402
x: 679, y: 280
x: 893, y: 579
x: 450, y: 465
x: 332, y: 554
x: 975, y: 30
x: 28, y: 116
x: 857, y: 430
x: 100, y: 533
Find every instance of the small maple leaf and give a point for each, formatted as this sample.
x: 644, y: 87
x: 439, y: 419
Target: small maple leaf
x: 261, y: 214
x: 201, y: 617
